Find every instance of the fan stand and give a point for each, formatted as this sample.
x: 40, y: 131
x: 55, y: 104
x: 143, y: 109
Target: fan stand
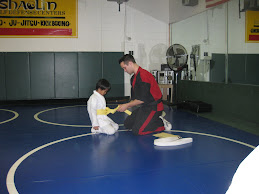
x: 175, y: 83
x: 177, y: 52
x: 177, y: 64
x: 192, y: 56
x: 175, y: 88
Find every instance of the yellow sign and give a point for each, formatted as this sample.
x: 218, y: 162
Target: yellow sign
x: 38, y: 18
x: 252, y: 26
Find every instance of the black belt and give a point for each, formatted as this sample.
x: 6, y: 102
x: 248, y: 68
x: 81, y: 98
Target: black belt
x: 152, y: 104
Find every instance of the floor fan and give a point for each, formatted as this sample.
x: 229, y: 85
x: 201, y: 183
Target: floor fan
x: 177, y: 58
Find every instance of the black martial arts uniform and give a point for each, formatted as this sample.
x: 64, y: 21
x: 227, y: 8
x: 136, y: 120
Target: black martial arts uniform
x: 145, y: 119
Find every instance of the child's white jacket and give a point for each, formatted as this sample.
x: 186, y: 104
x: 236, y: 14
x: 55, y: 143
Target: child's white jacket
x: 97, y: 101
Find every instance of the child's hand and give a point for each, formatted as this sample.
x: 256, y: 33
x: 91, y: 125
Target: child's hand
x: 96, y: 127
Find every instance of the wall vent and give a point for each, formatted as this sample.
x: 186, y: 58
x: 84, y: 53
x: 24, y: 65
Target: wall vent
x: 189, y: 2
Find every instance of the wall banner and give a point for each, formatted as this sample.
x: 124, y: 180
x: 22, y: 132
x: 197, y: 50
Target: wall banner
x: 252, y: 26
x: 38, y: 18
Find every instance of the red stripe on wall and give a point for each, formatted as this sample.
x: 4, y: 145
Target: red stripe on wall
x: 35, y: 31
x: 215, y: 4
x: 253, y: 37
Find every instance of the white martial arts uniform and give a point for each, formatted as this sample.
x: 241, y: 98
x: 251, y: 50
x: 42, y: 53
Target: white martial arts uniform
x: 106, y: 124
x: 245, y: 180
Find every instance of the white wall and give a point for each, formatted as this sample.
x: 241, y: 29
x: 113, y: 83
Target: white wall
x: 236, y: 31
x: 216, y: 30
x: 209, y: 30
x: 154, y: 8
x: 178, y: 12
x: 101, y: 27
x: 148, y: 38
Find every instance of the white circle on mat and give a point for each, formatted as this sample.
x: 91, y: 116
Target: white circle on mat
x: 36, y: 116
x: 14, y: 117
x: 10, y: 176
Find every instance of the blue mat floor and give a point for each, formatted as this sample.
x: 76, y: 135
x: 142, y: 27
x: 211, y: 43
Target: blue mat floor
x: 56, y: 153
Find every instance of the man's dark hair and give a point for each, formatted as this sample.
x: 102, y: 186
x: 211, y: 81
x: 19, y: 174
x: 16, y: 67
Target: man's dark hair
x: 103, y: 84
x: 127, y: 58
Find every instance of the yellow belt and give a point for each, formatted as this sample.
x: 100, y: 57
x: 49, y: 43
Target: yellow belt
x: 107, y: 111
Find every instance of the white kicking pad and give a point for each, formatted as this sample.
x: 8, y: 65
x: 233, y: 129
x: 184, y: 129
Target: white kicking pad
x: 172, y: 141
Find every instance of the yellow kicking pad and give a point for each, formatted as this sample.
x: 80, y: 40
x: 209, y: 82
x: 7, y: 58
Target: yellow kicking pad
x: 107, y: 111
x: 163, y: 135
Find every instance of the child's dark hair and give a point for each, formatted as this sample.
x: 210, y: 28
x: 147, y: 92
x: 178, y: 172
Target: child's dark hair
x: 127, y: 58
x: 103, y: 84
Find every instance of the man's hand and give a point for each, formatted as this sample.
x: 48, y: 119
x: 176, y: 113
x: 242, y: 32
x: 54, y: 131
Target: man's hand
x: 96, y: 127
x: 123, y: 107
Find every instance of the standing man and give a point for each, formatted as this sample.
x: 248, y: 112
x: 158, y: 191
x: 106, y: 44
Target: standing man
x: 147, y: 96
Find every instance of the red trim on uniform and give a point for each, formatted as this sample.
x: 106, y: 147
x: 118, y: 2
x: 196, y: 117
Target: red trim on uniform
x: 160, y: 106
x: 35, y: 31
x: 155, y: 91
x: 150, y: 116
x: 147, y: 77
x: 160, y: 129
x: 135, y: 77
